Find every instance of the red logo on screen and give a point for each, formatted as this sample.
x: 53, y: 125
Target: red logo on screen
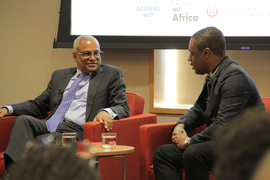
x: 212, y: 11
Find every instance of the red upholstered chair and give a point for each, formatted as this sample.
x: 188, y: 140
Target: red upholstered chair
x: 127, y: 130
x: 154, y: 135
x: 151, y: 137
x: 6, y: 124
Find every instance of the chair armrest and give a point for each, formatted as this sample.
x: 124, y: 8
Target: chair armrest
x: 151, y: 137
x: 127, y: 130
x: 6, y: 124
x: 92, y: 130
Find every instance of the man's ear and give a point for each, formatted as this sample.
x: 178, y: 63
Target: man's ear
x: 74, y: 54
x: 207, y: 52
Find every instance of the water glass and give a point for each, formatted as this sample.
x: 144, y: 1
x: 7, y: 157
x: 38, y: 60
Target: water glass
x: 108, y: 141
x: 68, y: 139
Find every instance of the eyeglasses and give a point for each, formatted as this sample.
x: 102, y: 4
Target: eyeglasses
x: 87, y: 55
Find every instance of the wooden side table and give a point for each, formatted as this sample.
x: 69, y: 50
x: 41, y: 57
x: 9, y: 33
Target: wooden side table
x: 119, y: 151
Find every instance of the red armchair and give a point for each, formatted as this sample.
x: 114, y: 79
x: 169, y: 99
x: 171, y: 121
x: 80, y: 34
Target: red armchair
x: 151, y: 137
x: 127, y: 130
x: 6, y: 124
x: 154, y: 135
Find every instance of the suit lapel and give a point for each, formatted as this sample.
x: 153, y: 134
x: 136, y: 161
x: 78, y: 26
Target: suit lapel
x: 92, y: 90
x: 227, y: 60
x: 62, y: 81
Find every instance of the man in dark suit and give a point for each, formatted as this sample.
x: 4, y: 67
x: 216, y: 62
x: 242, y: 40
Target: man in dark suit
x: 100, y: 96
x: 227, y: 91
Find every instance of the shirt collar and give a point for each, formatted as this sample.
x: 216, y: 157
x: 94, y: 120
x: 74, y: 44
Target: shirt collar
x: 78, y: 73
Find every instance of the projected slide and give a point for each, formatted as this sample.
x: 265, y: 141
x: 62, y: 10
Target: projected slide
x: 169, y: 17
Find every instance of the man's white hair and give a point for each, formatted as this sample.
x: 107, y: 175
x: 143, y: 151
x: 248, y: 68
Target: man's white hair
x: 78, y: 40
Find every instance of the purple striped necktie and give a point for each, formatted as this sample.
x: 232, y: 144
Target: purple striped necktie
x: 53, y: 122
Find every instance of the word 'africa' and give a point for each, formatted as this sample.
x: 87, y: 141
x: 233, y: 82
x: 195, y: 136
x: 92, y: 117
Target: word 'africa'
x: 184, y: 18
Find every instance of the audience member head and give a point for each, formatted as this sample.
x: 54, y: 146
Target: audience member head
x: 241, y: 144
x: 45, y: 162
x: 86, y: 53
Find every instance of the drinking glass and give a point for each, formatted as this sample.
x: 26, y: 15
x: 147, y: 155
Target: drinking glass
x: 108, y: 141
x: 68, y: 139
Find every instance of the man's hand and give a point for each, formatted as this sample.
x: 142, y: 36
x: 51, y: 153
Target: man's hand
x: 179, y: 128
x: 104, y: 117
x: 179, y: 135
x: 3, y: 112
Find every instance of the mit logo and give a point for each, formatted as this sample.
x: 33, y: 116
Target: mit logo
x: 212, y: 11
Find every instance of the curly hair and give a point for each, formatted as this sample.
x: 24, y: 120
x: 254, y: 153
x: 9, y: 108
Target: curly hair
x: 51, y: 163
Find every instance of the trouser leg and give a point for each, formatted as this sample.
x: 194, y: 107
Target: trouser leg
x: 198, y: 160
x: 62, y: 128
x: 167, y: 160
x: 25, y: 128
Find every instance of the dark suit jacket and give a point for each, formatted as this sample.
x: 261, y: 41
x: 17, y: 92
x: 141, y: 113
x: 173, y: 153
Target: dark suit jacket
x: 106, y: 90
x: 232, y: 91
